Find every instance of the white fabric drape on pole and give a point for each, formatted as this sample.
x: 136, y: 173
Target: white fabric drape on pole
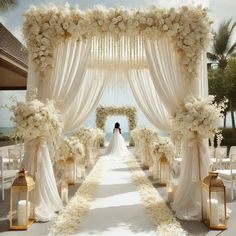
x: 172, y: 88
x: 62, y: 86
x: 86, y: 100
x: 148, y: 100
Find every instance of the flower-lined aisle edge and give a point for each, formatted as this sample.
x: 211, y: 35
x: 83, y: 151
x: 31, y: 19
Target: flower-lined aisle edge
x: 67, y: 223
x: 156, y: 208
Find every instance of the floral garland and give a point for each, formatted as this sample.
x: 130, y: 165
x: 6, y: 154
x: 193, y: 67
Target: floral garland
x: 46, y: 26
x: 103, y: 112
x: 156, y: 208
x: 34, y: 119
x: 198, y: 117
x: 69, y: 219
x: 164, y: 146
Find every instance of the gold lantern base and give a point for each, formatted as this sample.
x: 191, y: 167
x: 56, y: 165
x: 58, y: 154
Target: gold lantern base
x: 22, y: 227
x: 216, y: 227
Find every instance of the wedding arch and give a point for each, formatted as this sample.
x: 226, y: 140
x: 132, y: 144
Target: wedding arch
x: 161, y: 53
x: 103, y: 112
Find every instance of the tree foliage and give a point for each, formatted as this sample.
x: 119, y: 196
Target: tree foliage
x: 7, y: 4
x: 223, y: 48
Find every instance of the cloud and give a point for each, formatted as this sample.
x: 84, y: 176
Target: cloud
x: 3, y: 20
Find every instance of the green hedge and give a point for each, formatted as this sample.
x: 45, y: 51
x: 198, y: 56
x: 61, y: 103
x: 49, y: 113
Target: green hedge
x: 4, y: 138
x: 228, y: 137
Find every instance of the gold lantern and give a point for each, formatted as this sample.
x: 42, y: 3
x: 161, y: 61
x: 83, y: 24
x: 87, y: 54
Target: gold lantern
x: 22, y: 208
x: 164, y: 170
x: 71, y: 170
x: 214, y: 202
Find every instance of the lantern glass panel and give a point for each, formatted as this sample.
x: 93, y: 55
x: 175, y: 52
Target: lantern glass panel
x: 22, y: 207
x: 217, y: 208
x: 164, y: 171
x: 71, y: 172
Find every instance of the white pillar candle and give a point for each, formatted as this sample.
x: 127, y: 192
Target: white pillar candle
x: 64, y: 195
x: 22, y: 212
x: 170, y: 194
x: 214, y: 211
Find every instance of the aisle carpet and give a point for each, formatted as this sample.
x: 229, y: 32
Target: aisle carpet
x: 121, y: 201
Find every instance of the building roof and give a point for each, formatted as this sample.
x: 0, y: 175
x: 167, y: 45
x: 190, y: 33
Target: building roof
x: 11, y: 45
x: 13, y: 62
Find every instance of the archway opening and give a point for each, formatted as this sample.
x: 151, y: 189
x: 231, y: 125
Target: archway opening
x: 109, y: 125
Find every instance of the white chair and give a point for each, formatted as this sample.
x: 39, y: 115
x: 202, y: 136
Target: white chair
x: 229, y: 176
x: 5, y: 175
x: 15, y: 157
x: 220, y: 156
x: 212, y: 152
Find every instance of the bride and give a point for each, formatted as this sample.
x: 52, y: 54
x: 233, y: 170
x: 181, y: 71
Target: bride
x: 117, y: 146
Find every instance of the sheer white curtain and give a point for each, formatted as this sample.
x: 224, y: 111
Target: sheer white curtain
x: 86, y: 100
x: 171, y: 87
x: 63, y: 85
x: 147, y: 98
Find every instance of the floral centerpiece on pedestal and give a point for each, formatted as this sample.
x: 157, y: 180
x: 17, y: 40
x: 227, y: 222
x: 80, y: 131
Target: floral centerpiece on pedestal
x: 163, y: 153
x: 163, y: 146
x: 71, y: 149
x: 71, y: 158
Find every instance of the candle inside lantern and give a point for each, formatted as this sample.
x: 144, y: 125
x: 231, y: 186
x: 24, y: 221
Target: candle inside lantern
x: 170, y: 194
x: 214, y: 215
x: 64, y: 195
x: 155, y: 170
x: 22, y: 220
x: 71, y: 172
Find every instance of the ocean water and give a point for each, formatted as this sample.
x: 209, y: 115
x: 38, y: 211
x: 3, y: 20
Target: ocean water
x: 6, y: 130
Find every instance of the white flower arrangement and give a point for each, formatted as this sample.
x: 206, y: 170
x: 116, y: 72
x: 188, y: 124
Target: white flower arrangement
x: 103, y: 112
x: 34, y: 119
x: 46, y: 26
x: 143, y: 139
x: 198, y: 117
x: 71, y: 149
x: 163, y: 146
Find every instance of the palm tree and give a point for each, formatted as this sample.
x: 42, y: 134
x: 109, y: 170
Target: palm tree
x: 6, y: 4
x: 222, y: 48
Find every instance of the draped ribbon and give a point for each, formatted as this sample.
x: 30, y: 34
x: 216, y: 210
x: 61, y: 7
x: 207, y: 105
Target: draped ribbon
x: 198, y: 150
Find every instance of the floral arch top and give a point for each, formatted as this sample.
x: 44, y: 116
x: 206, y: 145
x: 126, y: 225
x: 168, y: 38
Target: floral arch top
x: 48, y: 25
x: 104, y: 112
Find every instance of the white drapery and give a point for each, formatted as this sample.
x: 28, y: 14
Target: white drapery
x: 147, y: 98
x: 80, y: 80
x: 172, y: 88
x: 75, y: 98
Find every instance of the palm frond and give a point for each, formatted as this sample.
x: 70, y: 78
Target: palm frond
x: 6, y: 4
x: 212, y: 56
x: 232, y: 49
x: 222, y: 38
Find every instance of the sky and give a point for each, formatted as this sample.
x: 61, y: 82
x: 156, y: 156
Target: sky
x: 219, y: 10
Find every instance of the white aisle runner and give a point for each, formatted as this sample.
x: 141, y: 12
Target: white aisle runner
x: 117, y: 208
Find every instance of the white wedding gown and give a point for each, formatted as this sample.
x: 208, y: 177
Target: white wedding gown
x: 117, y: 146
